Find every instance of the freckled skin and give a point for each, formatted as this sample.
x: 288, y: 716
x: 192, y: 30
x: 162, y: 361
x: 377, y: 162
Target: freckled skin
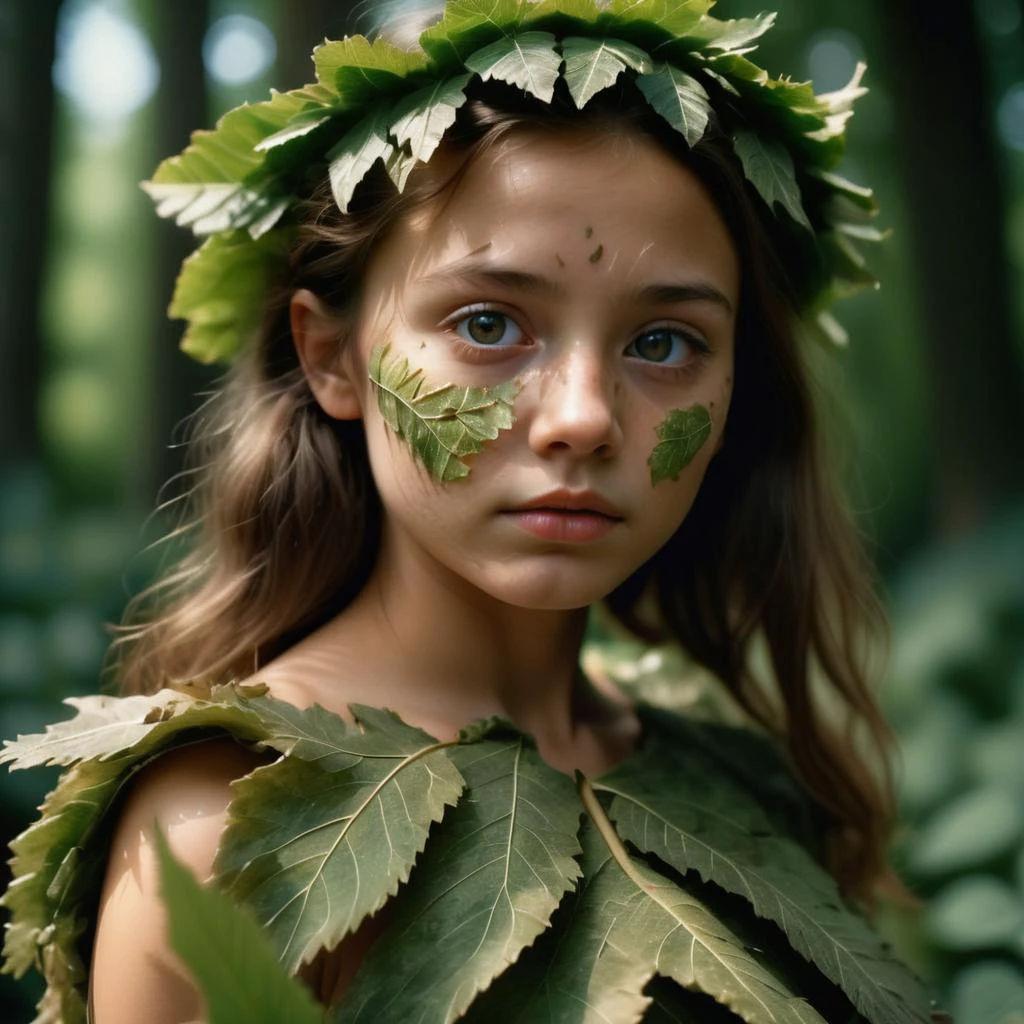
x: 588, y: 407
x: 596, y: 255
x: 588, y: 231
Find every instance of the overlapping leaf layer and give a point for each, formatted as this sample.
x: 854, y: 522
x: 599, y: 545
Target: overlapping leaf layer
x: 662, y: 891
x: 375, y: 103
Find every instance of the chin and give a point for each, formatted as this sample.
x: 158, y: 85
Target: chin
x: 566, y: 589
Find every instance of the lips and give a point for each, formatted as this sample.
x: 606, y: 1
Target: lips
x: 567, y: 517
x: 571, y: 501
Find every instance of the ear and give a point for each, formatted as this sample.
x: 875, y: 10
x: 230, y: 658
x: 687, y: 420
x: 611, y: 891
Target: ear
x: 317, y: 336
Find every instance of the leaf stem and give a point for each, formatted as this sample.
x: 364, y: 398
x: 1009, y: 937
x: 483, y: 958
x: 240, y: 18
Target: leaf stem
x: 607, y: 830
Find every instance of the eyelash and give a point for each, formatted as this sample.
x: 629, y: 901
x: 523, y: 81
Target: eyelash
x: 484, y: 353
x: 480, y: 353
x: 699, y: 350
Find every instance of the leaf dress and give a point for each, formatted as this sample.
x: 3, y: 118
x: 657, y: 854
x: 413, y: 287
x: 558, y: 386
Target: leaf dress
x: 683, y: 885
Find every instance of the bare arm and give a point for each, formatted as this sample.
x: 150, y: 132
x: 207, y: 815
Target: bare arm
x: 135, y: 975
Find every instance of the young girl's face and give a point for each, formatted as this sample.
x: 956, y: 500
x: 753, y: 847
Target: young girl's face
x: 597, y: 274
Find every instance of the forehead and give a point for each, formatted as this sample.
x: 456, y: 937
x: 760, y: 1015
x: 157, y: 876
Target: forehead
x: 538, y: 198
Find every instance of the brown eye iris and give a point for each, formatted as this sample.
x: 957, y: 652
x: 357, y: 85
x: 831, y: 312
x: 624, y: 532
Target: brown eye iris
x: 487, y: 328
x: 655, y: 346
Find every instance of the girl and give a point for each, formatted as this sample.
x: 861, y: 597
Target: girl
x: 528, y: 348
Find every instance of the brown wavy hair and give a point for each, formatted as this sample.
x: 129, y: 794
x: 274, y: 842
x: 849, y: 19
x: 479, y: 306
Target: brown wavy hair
x: 284, y: 516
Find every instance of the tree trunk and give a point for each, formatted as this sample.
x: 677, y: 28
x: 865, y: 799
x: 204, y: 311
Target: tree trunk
x: 181, y: 106
x: 27, y: 34
x: 957, y: 209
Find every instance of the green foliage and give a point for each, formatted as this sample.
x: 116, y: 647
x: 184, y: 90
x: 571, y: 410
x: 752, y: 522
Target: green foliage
x: 374, y: 103
x: 594, y: 64
x: 486, y: 887
x: 221, y: 291
x: 444, y: 424
x: 368, y: 800
x: 681, y: 435
x: 420, y: 120
x: 770, y: 167
x: 354, y: 69
x: 356, y: 153
x: 227, y: 954
x: 742, y: 853
x: 654, y: 925
x: 508, y: 893
x: 679, y: 98
x: 527, y: 60
x: 956, y: 697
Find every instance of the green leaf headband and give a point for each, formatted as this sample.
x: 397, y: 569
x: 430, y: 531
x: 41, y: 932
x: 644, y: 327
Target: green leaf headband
x: 372, y: 102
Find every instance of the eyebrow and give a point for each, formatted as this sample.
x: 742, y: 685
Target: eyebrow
x: 471, y: 269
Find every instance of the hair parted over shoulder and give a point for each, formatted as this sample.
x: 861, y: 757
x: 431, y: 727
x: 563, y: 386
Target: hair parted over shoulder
x: 284, y: 515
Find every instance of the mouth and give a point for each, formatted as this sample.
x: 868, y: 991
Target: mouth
x: 580, y: 502
x: 567, y: 516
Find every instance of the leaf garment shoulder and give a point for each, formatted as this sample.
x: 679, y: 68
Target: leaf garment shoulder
x: 681, y: 886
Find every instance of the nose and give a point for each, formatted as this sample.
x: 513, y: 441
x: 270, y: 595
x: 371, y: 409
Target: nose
x: 577, y: 412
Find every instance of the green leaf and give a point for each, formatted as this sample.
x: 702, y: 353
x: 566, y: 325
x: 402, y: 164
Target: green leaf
x: 725, y: 36
x: 296, y: 128
x: 313, y: 869
x: 988, y: 992
x: 527, y: 60
x: 358, y: 151
x: 672, y: 17
x: 221, y: 291
x: 679, y: 98
x: 975, y: 912
x: 359, y: 70
x: 207, y: 208
x: 968, y: 832
x: 399, y: 166
x: 445, y: 424
x: 631, y: 923
x: 467, y: 25
x: 229, y: 152
x: 737, y: 70
x: 420, y: 120
x: 769, y: 168
x: 484, y: 889
x: 594, y: 64
x: 681, y: 435
x: 108, y: 727
x: 715, y: 828
x: 42, y: 911
x: 227, y: 954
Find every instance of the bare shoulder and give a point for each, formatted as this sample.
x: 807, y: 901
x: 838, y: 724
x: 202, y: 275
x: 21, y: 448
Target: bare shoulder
x: 186, y: 793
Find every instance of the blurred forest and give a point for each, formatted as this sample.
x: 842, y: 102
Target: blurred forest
x: 929, y: 413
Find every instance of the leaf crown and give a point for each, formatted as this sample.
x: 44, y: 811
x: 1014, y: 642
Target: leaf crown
x: 374, y: 102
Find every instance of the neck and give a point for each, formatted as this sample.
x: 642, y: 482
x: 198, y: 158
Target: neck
x: 442, y: 653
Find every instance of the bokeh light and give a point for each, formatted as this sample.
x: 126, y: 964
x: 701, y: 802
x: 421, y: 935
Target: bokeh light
x: 238, y: 49
x: 1010, y: 117
x: 104, y: 63
x: 832, y: 57
x: 1000, y: 17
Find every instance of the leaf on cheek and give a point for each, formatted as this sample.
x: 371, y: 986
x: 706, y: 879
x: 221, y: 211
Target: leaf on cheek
x: 441, y: 424
x: 681, y: 435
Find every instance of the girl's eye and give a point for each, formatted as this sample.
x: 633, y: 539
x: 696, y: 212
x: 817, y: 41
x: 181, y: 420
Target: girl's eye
x: 489, y: 327
x: 661, y: 345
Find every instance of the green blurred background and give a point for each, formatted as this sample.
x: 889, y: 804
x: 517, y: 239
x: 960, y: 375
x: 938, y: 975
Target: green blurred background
x: 929, y: 412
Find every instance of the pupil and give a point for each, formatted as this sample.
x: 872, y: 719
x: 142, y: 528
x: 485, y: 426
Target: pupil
x: 487, y: 328
x: 655, y: 346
